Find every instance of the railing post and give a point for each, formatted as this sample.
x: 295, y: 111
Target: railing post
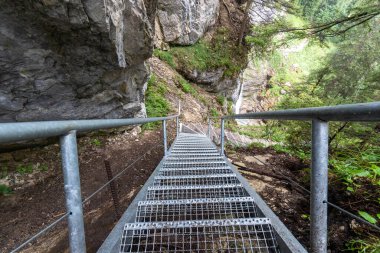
x: 69, y: 153
x: 164, y: 131
x: 209, y: 128
x: 222, y: 137
x: 177, y: 125
x: 179, y: 113
x: 319, y: 186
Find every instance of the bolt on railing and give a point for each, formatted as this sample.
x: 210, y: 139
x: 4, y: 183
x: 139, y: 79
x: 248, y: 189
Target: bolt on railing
x: 67, y: 130
x: 320, y: 116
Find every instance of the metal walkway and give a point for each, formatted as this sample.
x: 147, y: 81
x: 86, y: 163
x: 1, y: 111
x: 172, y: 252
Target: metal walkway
x: 196, y: 203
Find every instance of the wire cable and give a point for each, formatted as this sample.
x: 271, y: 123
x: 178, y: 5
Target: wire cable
x: 329, y: 203
x: 44, y: 230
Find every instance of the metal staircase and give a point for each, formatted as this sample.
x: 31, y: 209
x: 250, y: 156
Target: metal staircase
x: 196, y: 203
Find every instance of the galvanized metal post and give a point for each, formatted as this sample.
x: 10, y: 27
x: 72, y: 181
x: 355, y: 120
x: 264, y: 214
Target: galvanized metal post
x: 177, y: 120
x: 177, y: 125
x: 222, y: 137
x: 71, y: 178
x: 209, y: 128
x: 319, y: 186
x: 165, y: 141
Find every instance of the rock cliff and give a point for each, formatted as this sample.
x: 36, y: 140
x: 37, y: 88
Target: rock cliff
x: 73, y: 59
x: 184, y: 22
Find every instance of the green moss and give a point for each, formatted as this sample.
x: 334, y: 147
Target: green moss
x: 204, y: 55
x: 165, y: 56
x: 155, y: 102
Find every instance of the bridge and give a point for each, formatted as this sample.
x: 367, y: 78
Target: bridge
x: 196, y: 200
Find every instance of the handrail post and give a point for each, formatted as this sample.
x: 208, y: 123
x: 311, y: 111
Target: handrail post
x: 209, y: 128
x: 177, y: 125
x: 165, y: 140
x: 70, y: 165
x: 319, y: 186
x: 177, y: 120
x: 222, y: 137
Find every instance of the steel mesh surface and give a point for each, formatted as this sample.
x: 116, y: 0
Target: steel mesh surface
x: 211, y: 236
x: 197, y: 204
x: 218, y: 179
x: 196, y: 209
x: 196, y: 192
x: 194, y: 171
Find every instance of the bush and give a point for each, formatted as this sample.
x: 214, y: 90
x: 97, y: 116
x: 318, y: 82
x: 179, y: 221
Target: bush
x: 155, y: 102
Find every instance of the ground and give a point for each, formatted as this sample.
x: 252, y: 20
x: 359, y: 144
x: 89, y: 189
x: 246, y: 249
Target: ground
x: 282, y: 191
x: 38, y: 198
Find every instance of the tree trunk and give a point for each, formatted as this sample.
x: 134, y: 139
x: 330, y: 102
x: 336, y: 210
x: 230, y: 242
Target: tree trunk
x: 245, y: 21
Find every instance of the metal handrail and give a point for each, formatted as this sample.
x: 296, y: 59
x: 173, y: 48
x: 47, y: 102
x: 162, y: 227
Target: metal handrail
x: 320, y: 117
x: 349, y: 112
x: 67, y: 131
x: 22, y: 131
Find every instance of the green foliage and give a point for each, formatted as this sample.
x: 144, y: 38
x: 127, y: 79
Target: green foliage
x: 24, y: 169
x: 155, y: 101
x: 256, y: 145
x: 5, y: 190
x: 186, y: 86
x: 165, y: 56
x: 220, y: 99
x: 96, y: 142
x: 214, y: 112
x: 209, y: 55
x: 326, y: 21
x: 343, y: 77
x: 369, y: 245
x: 368, y: 217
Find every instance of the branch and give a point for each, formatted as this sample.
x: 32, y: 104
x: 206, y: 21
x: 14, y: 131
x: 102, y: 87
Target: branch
x: 337, y: 132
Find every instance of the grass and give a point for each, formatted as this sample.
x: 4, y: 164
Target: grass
x: 24, y: 169
x: 155, y: 102
x: 214, y: 112
x: 368, y: 245
x: 165, y: 56
x: 30, y: 168
x: 220, y: 99
x: 204, y: 55
x: 186, y: 86
x: 96, y: 142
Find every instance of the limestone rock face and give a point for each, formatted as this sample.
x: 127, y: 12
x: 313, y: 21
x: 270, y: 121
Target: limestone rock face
x: 73, y: 59
x: 250, y: 93
x: 184, y: 22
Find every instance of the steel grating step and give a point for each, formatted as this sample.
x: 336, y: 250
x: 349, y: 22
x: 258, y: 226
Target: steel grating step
x: 196, y: 209
x: 194, y: 171
x: 191, y: 155
x: 196, y: 203
x: 196, y: 192
x: 217, y: 179
x: 193, y: 164
x: 194, y: 160
x: 194, y: 152
x: 231, y: 235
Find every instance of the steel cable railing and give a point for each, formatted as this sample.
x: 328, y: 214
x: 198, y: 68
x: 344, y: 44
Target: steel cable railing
x: 320, y: 116
x: 51, y: 225
x: 67, y: 130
